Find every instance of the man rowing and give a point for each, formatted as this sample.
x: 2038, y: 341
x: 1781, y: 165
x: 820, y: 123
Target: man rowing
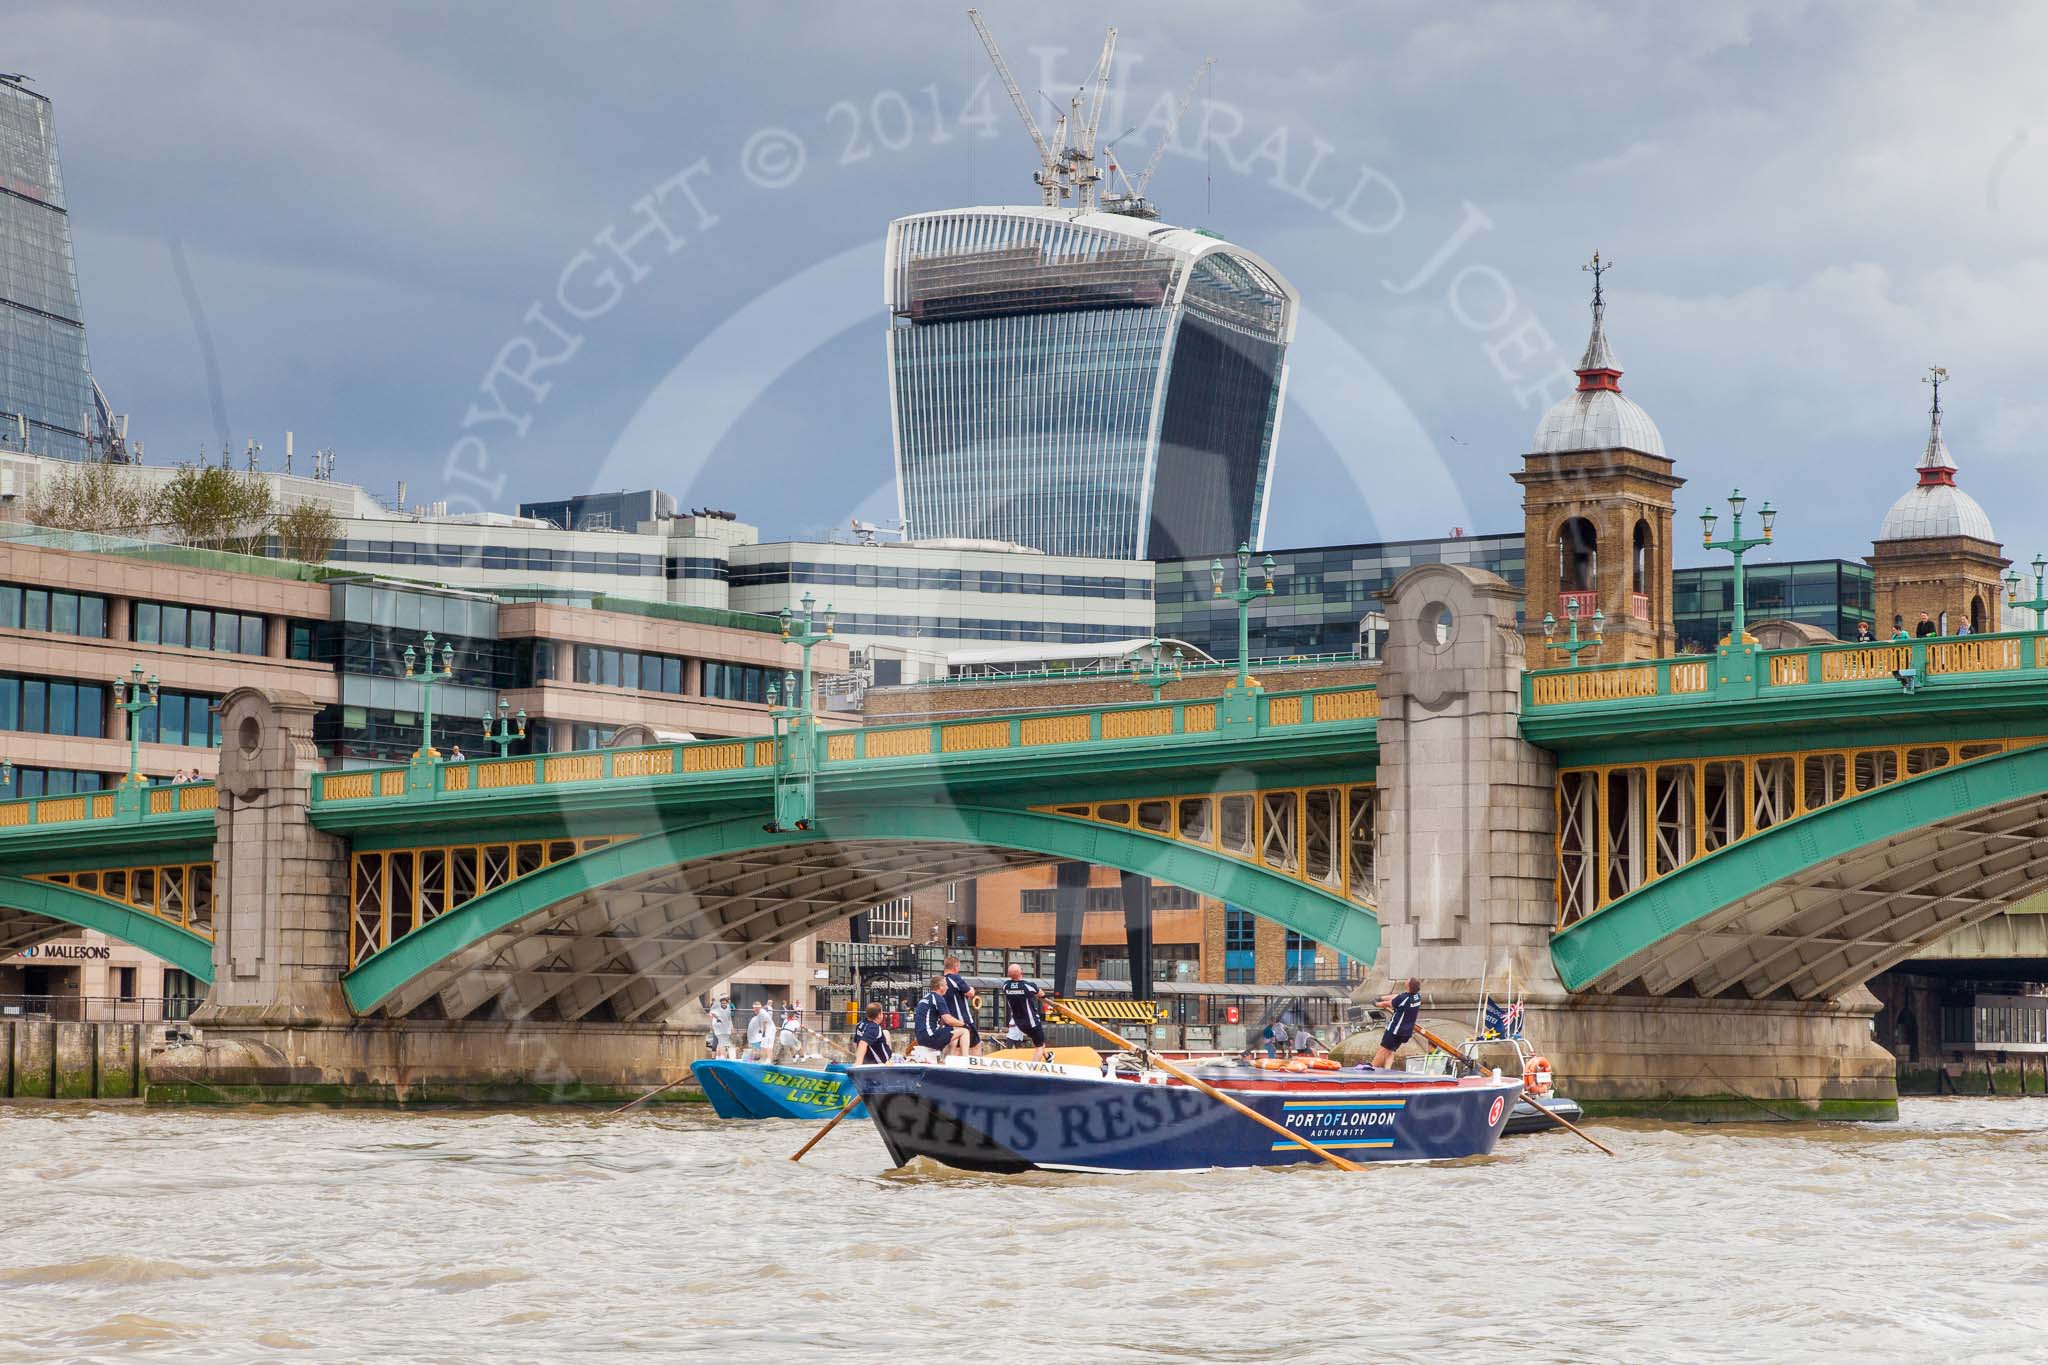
x: 1403, y: 1010
x: 1027, y: 1008
x: 960, y: 999
x: 934, y: 1024
x: 871, y: 1040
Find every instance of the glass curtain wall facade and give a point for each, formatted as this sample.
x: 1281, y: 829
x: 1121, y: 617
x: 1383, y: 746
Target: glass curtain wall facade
x: 1082, y: 384
x: 1834, y: 594
x: 44, y: 374
x: 1322, y: 596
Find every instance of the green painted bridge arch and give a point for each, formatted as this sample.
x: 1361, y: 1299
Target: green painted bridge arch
x: 1817, y: 904
x: 634, y: 929
x: 33, y: 912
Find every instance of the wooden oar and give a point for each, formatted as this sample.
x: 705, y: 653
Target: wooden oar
x: 649, y: 1095
x: 1534, y: 1103
x: 819, y: 1136
x: 1207, y: 1089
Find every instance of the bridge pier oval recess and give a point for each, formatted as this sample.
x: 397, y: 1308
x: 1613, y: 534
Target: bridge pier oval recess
x: 632, y: 931
x: 33, y: 912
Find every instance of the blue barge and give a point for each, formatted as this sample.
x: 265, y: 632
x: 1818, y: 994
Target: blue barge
x: 984, y: 1114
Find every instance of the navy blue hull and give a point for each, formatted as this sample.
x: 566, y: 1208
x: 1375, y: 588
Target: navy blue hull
x: 762, y: 1090
x: 988, y: 1120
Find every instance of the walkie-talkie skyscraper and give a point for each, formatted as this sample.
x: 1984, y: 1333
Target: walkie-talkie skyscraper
x: 1086, y: 383
x: 46, y: 387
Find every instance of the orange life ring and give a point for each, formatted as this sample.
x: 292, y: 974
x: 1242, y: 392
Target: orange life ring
x: 1536, y: 1076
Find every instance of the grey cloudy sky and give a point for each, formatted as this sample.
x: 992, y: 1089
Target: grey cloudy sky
x: 1809, y: 203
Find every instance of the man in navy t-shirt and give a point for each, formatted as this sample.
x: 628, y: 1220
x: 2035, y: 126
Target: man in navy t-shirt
x: 871, y: 1040
x: 1402, y: 1012
x: 934, y: 1023
x: 960, y: 998
x: 1027, y: 1008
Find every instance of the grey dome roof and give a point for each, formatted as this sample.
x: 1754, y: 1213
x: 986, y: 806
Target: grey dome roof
x: 1597, y: 419
x: 1597, y: 415
x: 1936, y: 510
x: 1935, y: 507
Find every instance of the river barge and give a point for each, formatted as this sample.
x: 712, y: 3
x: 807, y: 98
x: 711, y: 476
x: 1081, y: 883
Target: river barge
x: 1004, y: 1115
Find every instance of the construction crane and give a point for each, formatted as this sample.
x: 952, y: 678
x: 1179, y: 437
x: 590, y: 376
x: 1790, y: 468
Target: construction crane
x: 1066, y: 163
x: 1052, y: 186
x: 1132, y: 201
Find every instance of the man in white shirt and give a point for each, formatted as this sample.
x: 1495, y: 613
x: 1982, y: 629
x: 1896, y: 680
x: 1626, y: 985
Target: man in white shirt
x: 761, y: 1034
x: 721, y: 1027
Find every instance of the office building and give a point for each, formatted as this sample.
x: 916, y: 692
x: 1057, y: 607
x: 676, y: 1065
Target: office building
x: 47, y: 399
x: 1325, y: 598
x: 1088, y: 384
x: 78, y: 611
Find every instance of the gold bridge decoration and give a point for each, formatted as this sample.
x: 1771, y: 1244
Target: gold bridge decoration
x: 1620, y: 826
x: 392, y: 892
x: 181, y: 893
x: 1606, y: 684
x: 1325, y: 836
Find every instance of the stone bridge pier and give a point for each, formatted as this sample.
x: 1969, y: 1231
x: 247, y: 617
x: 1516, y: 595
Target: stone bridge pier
x: 278, y: 1027
x: 1468, y: 893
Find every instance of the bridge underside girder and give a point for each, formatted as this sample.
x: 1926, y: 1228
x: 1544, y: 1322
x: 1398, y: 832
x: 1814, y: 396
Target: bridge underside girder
x: 21, y: 929
x: 637, y: 950
x: 1813, y: 935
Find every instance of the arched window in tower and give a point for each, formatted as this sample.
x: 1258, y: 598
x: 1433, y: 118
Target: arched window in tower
x: 1578, y: 556
x: 1639, y: 572
x: 1977, y: 615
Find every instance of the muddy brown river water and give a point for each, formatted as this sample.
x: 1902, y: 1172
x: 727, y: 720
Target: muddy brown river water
x: 130, y: 1234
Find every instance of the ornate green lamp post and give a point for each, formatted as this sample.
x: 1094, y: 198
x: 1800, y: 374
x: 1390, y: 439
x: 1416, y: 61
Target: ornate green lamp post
x: 796, y: 747
x: 801, y: 630
x: 2038, y: 603
x: 429, y: 679
x: 1573, y: 646
x: 1151, y: 669
x: 134, y: 696
x: 1737, y: 545
x: 6, y: 773
x: 1238, y: 706
x: 505, y: 735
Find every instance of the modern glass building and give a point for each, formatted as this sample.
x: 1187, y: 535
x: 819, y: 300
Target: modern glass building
x: 1325, y: 599
x: 1086, y: 384
x: 46, y: 391
x: 1834, y: 594
x: 1322, y: 597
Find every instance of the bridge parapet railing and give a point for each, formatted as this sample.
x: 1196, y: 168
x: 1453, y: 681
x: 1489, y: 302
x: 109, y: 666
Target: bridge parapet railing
x: 909, y: 740
x: 32, y: 812
x: 1685, y: 675
x: 1782, y: 671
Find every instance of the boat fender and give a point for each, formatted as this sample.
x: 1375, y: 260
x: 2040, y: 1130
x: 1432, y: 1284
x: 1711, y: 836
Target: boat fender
x: 1536, y: 1076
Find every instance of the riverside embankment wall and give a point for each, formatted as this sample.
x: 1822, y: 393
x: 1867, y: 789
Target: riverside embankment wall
x: 46, y: 1059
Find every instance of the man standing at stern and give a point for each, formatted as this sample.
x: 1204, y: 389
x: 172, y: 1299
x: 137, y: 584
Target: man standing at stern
x: 1402, y: 1012
x: 1027, y: 1008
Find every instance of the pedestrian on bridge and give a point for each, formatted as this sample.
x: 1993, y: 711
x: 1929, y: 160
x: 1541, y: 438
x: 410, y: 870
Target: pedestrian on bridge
x: 1403, y: 1011
x: 761, y: 1034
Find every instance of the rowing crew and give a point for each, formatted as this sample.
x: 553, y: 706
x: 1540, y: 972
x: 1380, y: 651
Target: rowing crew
x: 943, y: 1021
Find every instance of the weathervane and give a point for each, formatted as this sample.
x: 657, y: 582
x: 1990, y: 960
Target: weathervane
x: 1599, y: 268
x: 1936, y: 376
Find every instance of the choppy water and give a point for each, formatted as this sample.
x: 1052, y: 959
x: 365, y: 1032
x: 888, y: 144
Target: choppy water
x: 132, y: 1234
